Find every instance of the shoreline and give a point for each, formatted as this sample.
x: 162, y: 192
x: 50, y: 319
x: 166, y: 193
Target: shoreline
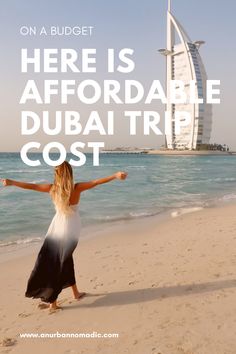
x: 190, y: 153
x: 18, y: 249
x: 172, y: 152
x: 88, y: 232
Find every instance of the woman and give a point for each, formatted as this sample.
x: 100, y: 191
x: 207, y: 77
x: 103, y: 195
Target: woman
x: 54, y: 268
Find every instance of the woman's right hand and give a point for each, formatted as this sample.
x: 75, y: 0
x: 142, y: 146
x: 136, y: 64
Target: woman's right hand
x: 121, y: 175
x: 6, y: 182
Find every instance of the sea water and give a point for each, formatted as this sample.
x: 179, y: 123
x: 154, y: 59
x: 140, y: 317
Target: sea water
x: 155, y: 185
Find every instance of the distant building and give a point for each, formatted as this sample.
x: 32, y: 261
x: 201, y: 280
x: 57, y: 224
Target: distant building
x: 184, y: 63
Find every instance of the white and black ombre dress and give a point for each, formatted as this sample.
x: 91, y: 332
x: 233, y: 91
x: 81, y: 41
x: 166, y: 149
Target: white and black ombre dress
x: 54, y: 267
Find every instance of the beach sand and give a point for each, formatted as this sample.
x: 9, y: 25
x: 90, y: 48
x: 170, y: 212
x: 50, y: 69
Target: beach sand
x: 165, y: 286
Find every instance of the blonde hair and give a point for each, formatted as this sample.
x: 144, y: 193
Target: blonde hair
x: 62, y: 187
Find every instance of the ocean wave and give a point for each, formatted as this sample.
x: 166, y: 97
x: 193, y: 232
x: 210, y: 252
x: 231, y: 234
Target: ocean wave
x: 128, y: 216
x: 27, y: 170
x: 39, y: 170
x: 39, y: 181
x: 182, y: 211
x: 136, y: 167
x: 143, y: 214
x: 222, y: 179
x: 108, y: 165
x: 109, y: 218
x: 228, y: 197
x: 21, y: 241
x: 15, y: 171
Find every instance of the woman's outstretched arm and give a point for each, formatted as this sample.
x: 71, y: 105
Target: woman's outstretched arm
x: 32, y: 186
x: 83, y: 186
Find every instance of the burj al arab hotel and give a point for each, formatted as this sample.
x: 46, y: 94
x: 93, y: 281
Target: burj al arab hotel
x: 183, y: 62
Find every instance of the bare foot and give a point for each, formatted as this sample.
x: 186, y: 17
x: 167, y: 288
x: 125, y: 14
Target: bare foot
x: 54, y: 306
x: 80, y: 295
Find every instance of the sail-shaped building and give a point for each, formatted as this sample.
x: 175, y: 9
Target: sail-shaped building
x: 183, y: 62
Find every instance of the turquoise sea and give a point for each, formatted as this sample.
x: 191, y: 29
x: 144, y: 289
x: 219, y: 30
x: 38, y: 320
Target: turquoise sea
x: 155, y: 184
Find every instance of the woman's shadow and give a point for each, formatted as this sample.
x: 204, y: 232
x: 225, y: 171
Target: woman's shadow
x: 149, y: 294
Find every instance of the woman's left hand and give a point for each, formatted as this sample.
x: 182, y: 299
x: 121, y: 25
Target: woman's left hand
x: 6, y: 182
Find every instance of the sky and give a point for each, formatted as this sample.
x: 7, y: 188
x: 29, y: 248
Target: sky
x: 140, y: 25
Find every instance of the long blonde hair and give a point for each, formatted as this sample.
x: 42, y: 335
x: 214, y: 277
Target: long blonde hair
x: 62, y: 187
